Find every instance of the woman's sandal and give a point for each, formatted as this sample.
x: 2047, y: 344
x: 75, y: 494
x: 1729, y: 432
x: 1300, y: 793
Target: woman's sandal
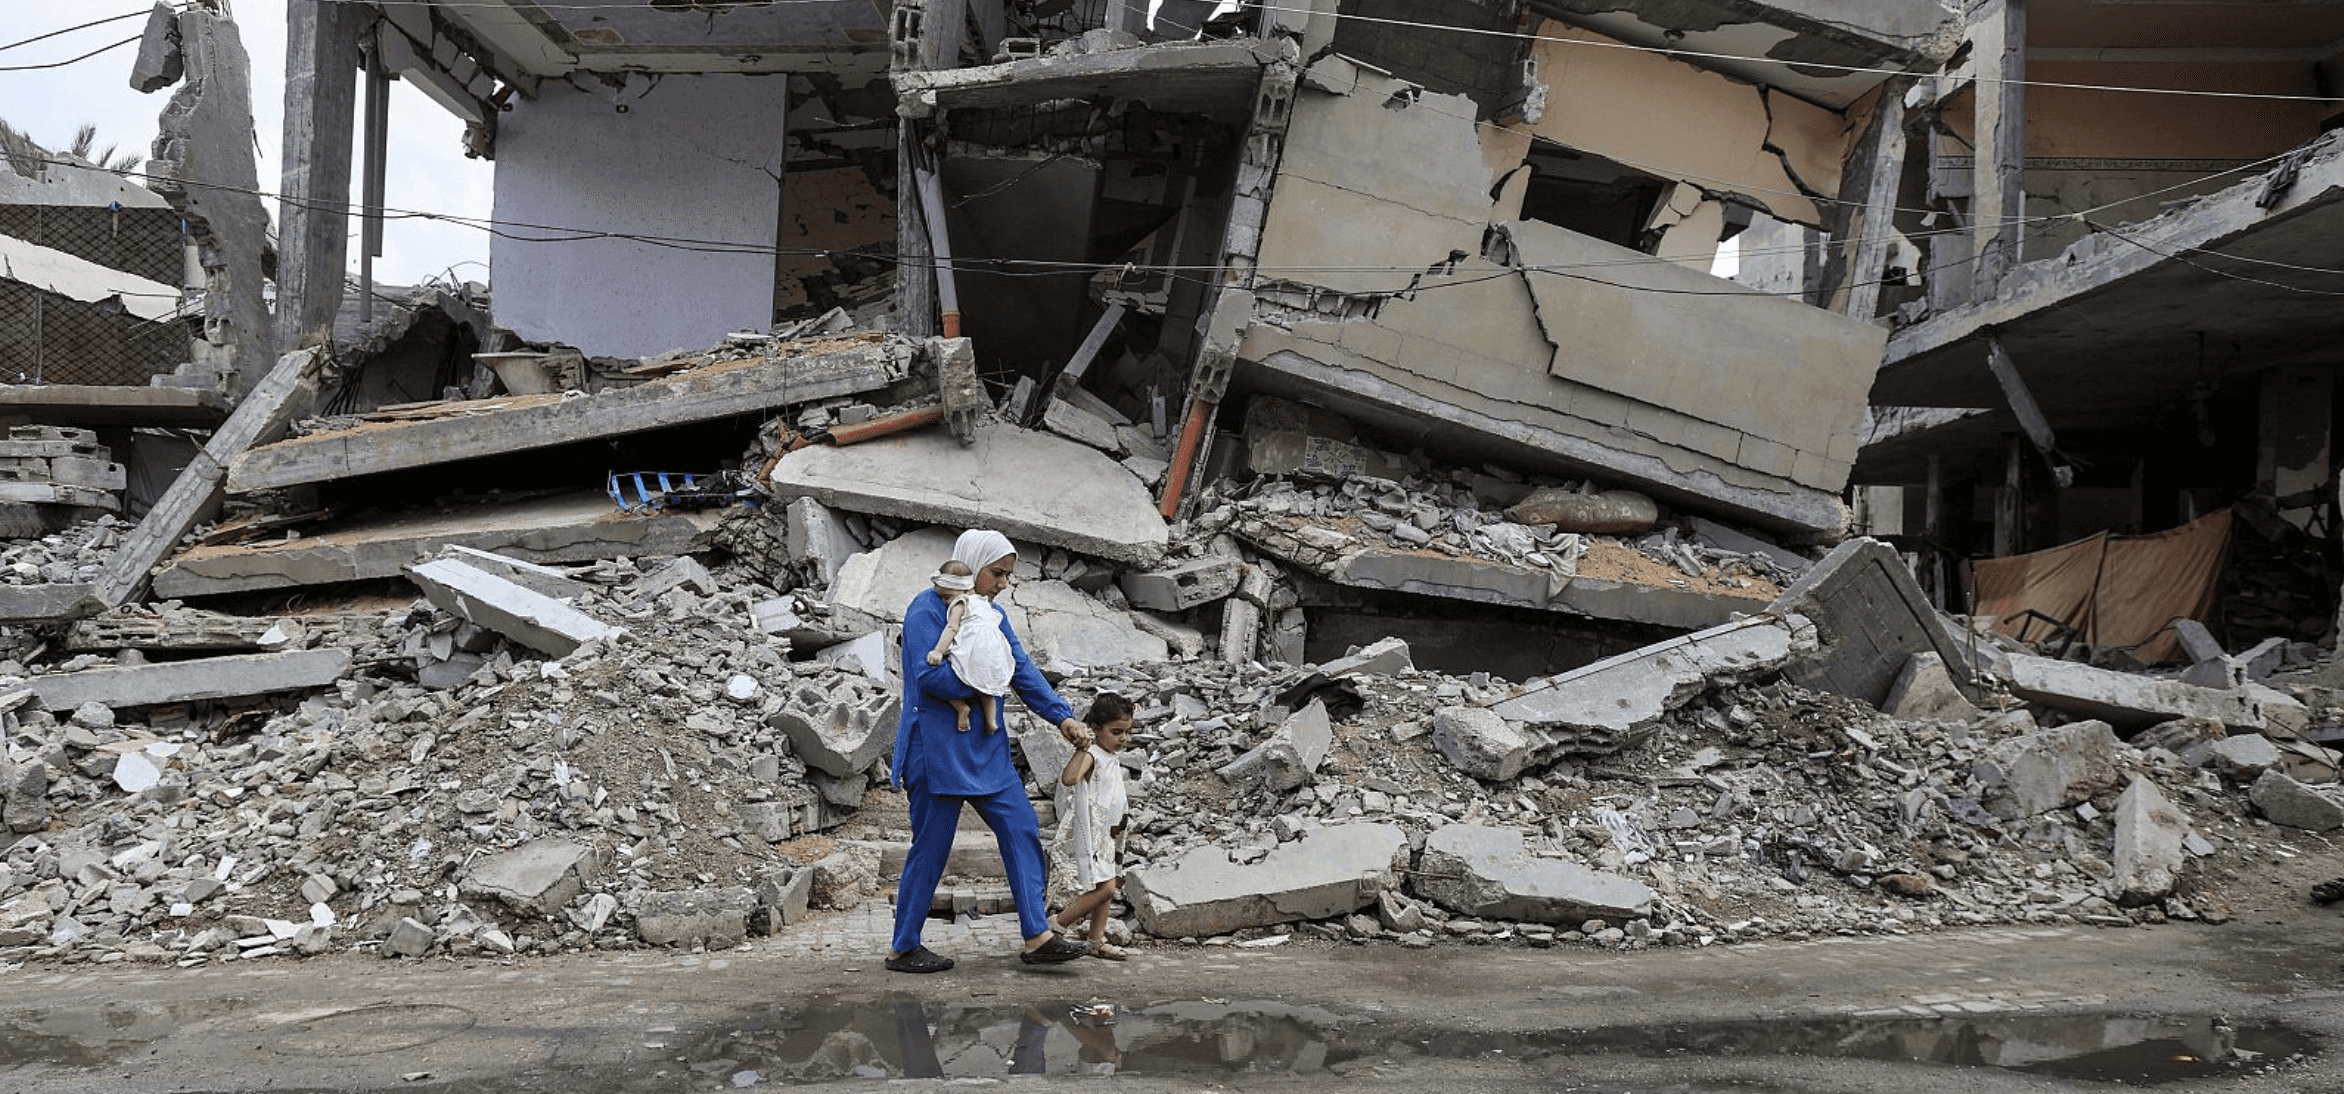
x: 1110, y: 951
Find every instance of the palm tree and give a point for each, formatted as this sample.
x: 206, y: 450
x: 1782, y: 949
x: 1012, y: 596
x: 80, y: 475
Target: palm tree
x: 86, y: 137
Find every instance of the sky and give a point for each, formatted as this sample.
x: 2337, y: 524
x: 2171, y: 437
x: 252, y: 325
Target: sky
x: 427, y: 168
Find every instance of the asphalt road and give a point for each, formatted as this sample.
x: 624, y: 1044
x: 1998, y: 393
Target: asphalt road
x: 2248, y: 1008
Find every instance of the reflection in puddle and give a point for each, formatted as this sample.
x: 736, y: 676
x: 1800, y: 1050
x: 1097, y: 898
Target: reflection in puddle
x: 906, y: 1038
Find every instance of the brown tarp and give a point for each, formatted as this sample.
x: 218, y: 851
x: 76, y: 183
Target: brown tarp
x: 2119, y: 592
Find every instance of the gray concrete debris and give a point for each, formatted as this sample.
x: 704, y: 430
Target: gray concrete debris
x: 1711, y: 534
x: 1066, y: 632
x: 717, y: 918
x: 785, y: 894
x: 1480, y: 743
x: 542, y: 580
x: 881, y: 582
x: 1290, y: 757
x: 1491, y: 872
x: 188, y: 681
x: 2149, y: 854
x: 1925, y: 691
x: 1615, y: 702
x: 843, y: 728
x: 1184, y: 585
x: 818, y: 542
x: 409, y: 938
x: 1383, y: 657
x: 530, y: 618
x: 2123, y: 699
x: 2292, y: 804
x: 24, y: 795
x: 1032, y: 487
x: 684, y: 572
x: 1333, y: 870
x: 2197, y: 643
x: 2242, y: 758
x: 1872, y: 617
x: 537, y: 878
x: 2050, y: 768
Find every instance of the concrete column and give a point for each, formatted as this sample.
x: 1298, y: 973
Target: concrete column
x: 203, y: 165
x: 321, y: 65
x: 2010, y: 501
x: 1998, y: 37
x: 1871, y: 183
x: 2292, y: 453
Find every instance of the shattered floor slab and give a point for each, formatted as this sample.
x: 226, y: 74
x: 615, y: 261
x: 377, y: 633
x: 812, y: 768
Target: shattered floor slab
x: 1032, y: 487
x: 187, y: 681
x: 565, y: 528
x: 814, y: 370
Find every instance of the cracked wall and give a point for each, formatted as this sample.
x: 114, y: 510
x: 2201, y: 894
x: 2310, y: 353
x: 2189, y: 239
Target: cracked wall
x: 203, y: 165
x: 1454, y: 318
x: 692, y: 158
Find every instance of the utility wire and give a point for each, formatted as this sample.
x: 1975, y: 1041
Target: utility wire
x: 75, y: 60
x: 71, y: 29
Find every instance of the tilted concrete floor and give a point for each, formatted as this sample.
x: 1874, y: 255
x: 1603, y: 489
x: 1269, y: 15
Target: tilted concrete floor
x: 1304, y: 1015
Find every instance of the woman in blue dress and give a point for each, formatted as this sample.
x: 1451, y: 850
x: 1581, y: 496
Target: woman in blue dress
x: 941, y: 769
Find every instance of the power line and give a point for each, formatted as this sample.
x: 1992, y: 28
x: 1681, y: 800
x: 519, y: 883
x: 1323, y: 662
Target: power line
x: 75, y: 60
x: 71, y: 29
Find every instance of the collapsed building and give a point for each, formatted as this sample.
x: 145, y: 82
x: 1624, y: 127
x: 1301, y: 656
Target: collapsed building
x: 1354, y: 383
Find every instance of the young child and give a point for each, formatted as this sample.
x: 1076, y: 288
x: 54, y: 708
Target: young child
x: 1091, y: 806
x: 980, y: 655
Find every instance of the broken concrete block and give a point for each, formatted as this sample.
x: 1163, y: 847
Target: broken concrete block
x: 408, y: 939
x: 1181, y: 587
x: 776, y: 616
x: 1064, y: 631
x: 2149, y: 853
x: 817, y: 541
x: 881, y: 582
x: 24, y: 795
x: 2123, y: 699
x: 2197, y: 643
x: 1032, y: 487
x: 1872, y: 617
x: 716, y: 918
x: 1180, y: 640
x: 2216, y: 672
x: 1475, y: 579
x: 135, y: 771
x: 1489, y: 872
x: 1382, y: 657
x: 187, y: 681
x: 768, y: 821
x: 1330, y: 871
x: 1241, y: 630
x: 1076, y: 423
x: 1712, y: 534
x: 2242, y: 758
x: 160, y: 59
x: 786, y: 893
x: 543, y: 580
x: 872, y: 655
x: 1612, y: 512
x: 1291, y: 755
x: 530, y: 618
x: 2287, y: 802
x: 1480, y: 743
x: 537, y: 878
x: 1925, y: 692
x: 1289, y: 637
x: 839, y: 731
x: 2050, y: 768
x: 1617, y: 701
x: 684, y: 572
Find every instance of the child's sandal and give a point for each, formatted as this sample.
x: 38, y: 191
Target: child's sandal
x: 1109, y: 951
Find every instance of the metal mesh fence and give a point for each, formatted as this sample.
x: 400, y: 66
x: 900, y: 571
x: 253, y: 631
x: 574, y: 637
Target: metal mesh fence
x: 50, y: 339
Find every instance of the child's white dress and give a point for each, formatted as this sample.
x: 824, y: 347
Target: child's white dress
x: 980, y: 652
x: 1088, y: 812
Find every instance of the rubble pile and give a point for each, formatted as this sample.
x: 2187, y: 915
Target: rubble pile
x: 77, y: 552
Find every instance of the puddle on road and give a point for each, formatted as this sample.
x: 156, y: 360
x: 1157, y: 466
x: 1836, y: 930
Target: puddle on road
x: 826, y: 1040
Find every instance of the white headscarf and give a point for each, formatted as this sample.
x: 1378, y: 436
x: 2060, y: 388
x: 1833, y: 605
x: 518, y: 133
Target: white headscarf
x: 978, y: 548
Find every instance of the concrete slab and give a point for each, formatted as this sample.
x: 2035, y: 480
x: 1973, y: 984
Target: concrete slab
x: 1873, y: 617
x: 2124, y: 700
x: 1330, y: 871
x: 1614, y: 702
x: 531, y: 618
x: 2048, y: 769
x: 67, y: 600
x: 881, y: 582
x: 1290, y: 757
x: 2149, y: 853
x: 187, y: 681
x: 1490, y: 872
x: 1924, y: 691
x: 1184, y: 585
x: 537, y: 878
x: 1065, y: 631
x: 2292, y: 804
x: 814, y: 369
x: 578, y: 527
x: 1480, y: 743
x: 1032, y: 487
